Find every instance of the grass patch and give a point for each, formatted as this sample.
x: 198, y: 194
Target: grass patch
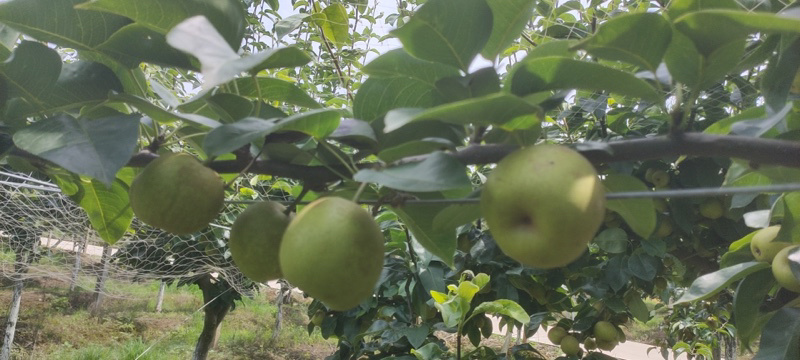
x: 56, y: 324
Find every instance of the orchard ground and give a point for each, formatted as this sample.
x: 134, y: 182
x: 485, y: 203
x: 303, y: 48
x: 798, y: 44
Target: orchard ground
x: 55, y: 323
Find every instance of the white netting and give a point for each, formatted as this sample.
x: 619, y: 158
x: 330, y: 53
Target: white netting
x: 42, y: 227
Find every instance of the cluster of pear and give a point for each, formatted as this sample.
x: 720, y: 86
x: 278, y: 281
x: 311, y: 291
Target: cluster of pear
x: 765, y: 248
x: 604, y: 336
x: 543, y: 204
x: 333, y: 249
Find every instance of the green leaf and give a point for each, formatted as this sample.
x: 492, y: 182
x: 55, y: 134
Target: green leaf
x: 8, y: 38
x: 493, y: 109
x: 32, y: 71
x: 449, y: 32
x: 396, y: 80
x: 775, y: 85
x: 58, y: 22
x: 136, y: 43
x: 616, y: 272
x: 415, y: 147
x: 159, y: 114
x: 80, y: 83
x: 267, y: 88
x: 335, y: 24
x: 780, y: 338
x: 749, y: 295
x: 230, y: 107
x: 108, y: 208
x: 620, y: 39
x: 96, y: 148
x: 355, y: 133
x: 509, y: 18
x: 710, y: 284
x: 503, y: 307
x: 289, y: 24
x: 700, y: 71
x: 434, y: 226
x: 703, y: 27
x: 229, y: 137
x: 555, y: 73
x: 228, y: 16
x: 613, y: 240
x: 437, y: 172
x: 643, y: 266
x: 637, y: 307
x: 639, y: 214
x: 790, y: 226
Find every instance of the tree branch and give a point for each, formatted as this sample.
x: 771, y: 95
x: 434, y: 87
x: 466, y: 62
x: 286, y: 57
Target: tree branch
x: 757, y: 151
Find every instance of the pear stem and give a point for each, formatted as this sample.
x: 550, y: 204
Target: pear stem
x: 359, y: 192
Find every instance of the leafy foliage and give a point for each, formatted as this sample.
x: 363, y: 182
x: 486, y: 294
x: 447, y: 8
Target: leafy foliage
x: 658, y: 96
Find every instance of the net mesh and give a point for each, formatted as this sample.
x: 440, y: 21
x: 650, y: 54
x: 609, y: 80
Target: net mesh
x: 45, y: 235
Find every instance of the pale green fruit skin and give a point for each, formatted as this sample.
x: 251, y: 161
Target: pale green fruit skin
x: 570, y: 345
x: 605, y: 331
x: 589, y: 344
x: 543, y: 204
x: 256, y: 239
x: 712, y: 209
x: 783, y: 272
x: 606, y: 345
x: 556, y: 334
x: 333, y: 250
x: 176, y: 193
x: 659, y: 178
x: 762, y: 245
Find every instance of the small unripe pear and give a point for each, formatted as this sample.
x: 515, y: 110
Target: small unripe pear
x: 712, y: 209
x: 256, y: 238
x: 659, y: 178
x: 570, y: 345
x: 606, y: 345
x: 556, y: 334
x: 604, y: 330
x: 762, y: 245
x: 783, y: 271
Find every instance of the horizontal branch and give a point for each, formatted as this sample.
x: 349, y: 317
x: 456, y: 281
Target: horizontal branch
x: 757, y: 151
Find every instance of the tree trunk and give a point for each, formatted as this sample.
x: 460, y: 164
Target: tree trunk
x: 23, y: 258
x: 101, y: 280
x: 11, y: 323
x: 215, y: 311
x: 77, y: 266
x: 160, y: 297
x: 284, y: 292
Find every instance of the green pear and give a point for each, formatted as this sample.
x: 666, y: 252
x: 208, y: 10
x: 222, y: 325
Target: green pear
x: 712, y: 209
x: 543, y: 204
x: 659, y: 178
x: 606, y: 331
x: 783, y: 272
x: 570, y: 345
x: 256, y: 239
x: 589, y: 344
x: 333, y: 250
x: 762, y: 245
x: 665, y: 227
x: 606, y: 345
x: 556, y: 334
x: 176, y: 193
